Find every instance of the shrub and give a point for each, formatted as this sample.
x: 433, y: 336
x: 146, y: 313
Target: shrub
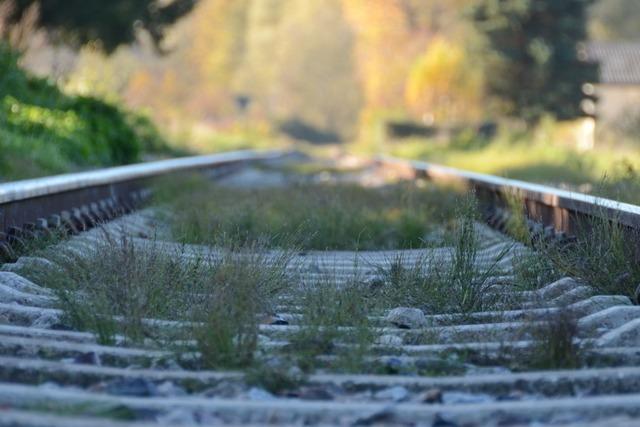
x: 62, y: 132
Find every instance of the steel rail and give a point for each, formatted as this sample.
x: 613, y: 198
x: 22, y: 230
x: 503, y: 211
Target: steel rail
x: 77, y: 201
x: 565, y: 211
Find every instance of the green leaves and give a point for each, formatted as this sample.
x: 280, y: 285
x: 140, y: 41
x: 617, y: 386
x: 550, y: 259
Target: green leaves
x: 61, y: 132
x: 531, y: 56
x: 111, y: 22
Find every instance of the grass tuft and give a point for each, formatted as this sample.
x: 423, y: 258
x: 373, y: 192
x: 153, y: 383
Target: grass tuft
x: 459, y: 284
x: 113, y: 286
x: 121, y: 286
x: 533, y: 269
x: 555, y: 342
x: 334, y: 321
x: 242, y: 289
x: 604, y: 254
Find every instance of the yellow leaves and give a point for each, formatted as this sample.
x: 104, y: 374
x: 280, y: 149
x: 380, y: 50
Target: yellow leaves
x: 214, y: 38
x: 443, y: 84
x: 377, y: 20
x: 435, y: 73
x: 385, y: 47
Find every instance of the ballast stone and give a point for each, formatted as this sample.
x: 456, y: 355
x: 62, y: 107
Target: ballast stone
x: 407, y: 318
x: 390, y: 340
x: 395, y: 393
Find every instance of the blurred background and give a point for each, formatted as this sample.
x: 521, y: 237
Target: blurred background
x: 542, y: 90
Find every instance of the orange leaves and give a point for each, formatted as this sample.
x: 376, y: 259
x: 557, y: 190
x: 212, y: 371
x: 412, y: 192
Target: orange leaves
x: 385, y: 47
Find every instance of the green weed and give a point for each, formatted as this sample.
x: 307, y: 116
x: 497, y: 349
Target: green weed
x: 605, y: 254
x: 119, y: 285
x: 118, y: 279
x: 323, y: 216
x: 242, y: 288
x: 334, y: 321
x: 555, y: 345
x: 457, y: 284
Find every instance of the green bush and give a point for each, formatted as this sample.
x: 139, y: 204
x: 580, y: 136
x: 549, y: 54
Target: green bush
x: 43, y: 130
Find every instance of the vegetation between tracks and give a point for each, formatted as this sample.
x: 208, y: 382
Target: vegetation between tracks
x: 602, y: 253
x: 217, y: 301
x: 145, y: 293
x: 318, y: 216
x: 459, y: 285
x: 334, y: 320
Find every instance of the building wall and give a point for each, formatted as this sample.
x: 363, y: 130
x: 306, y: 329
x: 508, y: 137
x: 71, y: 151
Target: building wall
x: 616, y: 101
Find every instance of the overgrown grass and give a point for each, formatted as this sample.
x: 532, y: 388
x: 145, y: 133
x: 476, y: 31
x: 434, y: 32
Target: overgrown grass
x: 323, y: 216
x: 112, y: 287
x: 604, y: 255
x: 516, y: 225
x: 244, y: 285
x: 450, y: 281
x: 28, y: 244
x: 124, y: 287
x: 555, y: 345
x: 533, y: 270
x: 334, y: 321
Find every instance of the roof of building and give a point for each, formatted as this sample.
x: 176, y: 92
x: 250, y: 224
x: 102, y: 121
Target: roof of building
x: 619, y: 61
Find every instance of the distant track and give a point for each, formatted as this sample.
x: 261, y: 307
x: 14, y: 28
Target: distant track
x: 78, y: 201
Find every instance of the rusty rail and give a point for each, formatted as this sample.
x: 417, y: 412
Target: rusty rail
x: 78, y: 201
x: 559, y: 211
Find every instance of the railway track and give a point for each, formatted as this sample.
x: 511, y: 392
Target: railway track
x: 452, y: 369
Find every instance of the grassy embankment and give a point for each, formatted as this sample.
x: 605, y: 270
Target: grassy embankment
x: 44, y: 131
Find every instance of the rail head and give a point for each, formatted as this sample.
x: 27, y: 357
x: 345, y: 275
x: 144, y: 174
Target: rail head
x: 39, y: 187
x: 78, y: 201
x: 566, y: 205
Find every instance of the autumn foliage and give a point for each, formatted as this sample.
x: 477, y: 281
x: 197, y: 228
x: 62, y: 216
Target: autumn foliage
x: 331, y: 66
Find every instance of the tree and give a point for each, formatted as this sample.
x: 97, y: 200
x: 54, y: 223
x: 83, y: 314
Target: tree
x: 531, y: 55
x: 112, y: 22
x: 257, y: 74
x: 443, y: 84
x: 315, y: 80
x: 385, y: 45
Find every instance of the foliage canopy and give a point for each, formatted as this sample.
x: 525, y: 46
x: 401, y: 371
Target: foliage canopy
x: 43, y: 130
x: 531, y: 55
x: 112, y: 22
